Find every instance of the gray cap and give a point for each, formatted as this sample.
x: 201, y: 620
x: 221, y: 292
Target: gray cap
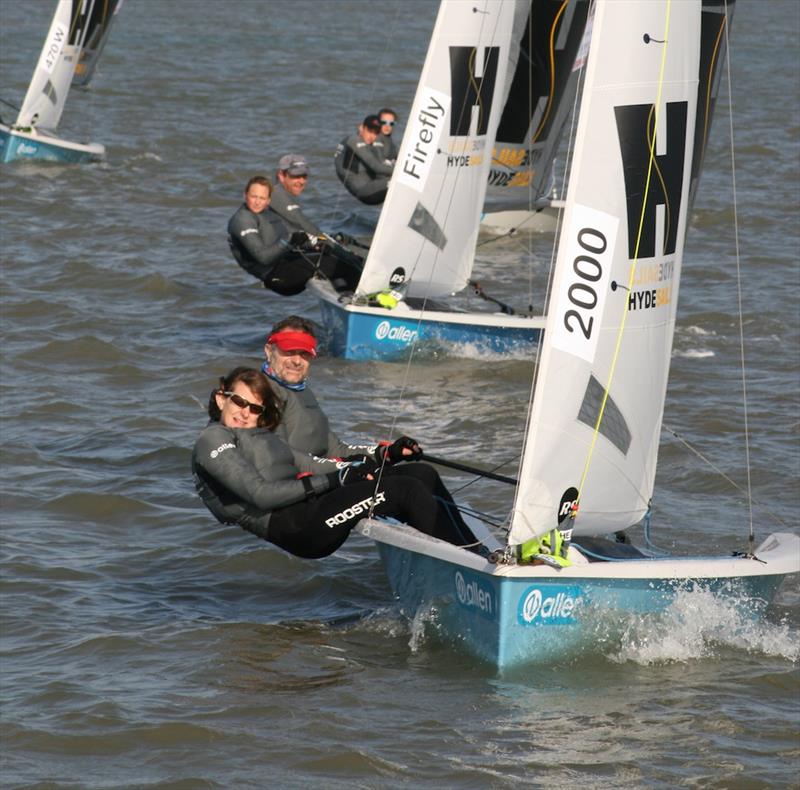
x: 294, y: 165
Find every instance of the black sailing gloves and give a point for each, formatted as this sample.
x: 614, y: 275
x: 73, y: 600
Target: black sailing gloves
x: 391, y: 451
x: 403, y: 449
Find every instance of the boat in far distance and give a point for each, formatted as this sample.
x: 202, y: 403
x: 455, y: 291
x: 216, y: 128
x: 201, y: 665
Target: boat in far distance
x: 76, y: 24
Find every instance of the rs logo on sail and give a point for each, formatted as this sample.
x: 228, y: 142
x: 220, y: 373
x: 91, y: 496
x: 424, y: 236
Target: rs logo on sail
x: 555, y: 606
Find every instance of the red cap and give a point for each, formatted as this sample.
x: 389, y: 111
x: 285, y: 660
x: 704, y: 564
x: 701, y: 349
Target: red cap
x: 288, y: 340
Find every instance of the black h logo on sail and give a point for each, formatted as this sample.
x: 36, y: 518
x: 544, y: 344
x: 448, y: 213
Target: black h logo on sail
x: 469, y: 90
x: 635, y: 127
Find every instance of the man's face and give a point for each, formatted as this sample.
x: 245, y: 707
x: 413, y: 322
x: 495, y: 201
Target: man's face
x: 368, y: 135
x: 257, y: 198
x: 291, y: 366
x: 294, y: 185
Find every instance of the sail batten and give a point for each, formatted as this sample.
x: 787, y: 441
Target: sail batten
x: 602, y: 378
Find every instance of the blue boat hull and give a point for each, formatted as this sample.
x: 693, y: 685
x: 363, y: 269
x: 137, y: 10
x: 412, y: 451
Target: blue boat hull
x: 16, y: 146
x: 509, y: 618
x: 365, y: 334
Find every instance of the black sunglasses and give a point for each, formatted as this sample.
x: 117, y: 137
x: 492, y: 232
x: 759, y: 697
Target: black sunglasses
x: 243, y: 403
x: 388, y: 123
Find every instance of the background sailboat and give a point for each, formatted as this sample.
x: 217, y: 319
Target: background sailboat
x: 424, y: 245
x: 33, y: 136
x: 591, y: 449
x: 542, y: 80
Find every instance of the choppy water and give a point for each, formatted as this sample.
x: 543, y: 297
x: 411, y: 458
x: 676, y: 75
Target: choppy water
x: 146, y: 646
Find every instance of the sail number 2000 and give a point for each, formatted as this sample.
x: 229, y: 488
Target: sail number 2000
x: 583, y: 292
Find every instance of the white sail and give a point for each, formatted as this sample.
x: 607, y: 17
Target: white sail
x: 608, y: 337
x: 429, y: 223
x: 541, y: 84
x: 47, y: 93
x: 98, y: 28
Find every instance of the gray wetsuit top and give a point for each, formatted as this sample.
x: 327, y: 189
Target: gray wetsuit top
x: 242, y: 475
x: 305, y: 428
x: 289, y: 210
x: 257, y: 241
x: 361, y: 167
x: 387, y: 148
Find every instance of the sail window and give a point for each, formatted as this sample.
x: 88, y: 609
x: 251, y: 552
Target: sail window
x: 613, y: 425
x: 49, y: 90
x: 422, y: 222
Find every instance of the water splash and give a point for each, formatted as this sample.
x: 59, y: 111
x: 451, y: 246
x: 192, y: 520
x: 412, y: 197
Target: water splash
x: 699, y: 625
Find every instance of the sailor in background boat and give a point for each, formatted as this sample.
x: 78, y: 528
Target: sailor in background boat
x: 385, y: 144
x: 289, y: 349
x: 361, y: 166
x: 291, y: 180
x: 247, y: 475
x: 263, y: 247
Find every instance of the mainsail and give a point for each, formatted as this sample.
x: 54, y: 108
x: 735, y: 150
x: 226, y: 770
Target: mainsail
x: 98, y: 27
x: 599, y: 399
x: 541, y: 87
x: 47, y: 93
x: 429, y: 223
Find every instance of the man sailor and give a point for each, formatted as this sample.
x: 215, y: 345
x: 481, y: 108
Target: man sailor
x: 291, y: 180
x: 361, y: 166
x: 289, y: 349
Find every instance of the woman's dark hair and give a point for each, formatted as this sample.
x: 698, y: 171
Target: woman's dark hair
x: 259, y: 384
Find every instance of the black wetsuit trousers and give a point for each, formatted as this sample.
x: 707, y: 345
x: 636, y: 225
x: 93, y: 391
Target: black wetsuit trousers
x: 316, y: 528
x: 290, y: 275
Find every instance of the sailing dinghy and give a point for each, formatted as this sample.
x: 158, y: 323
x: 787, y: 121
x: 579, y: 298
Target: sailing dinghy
x: 33, y: 136
x: 424, y: 245
x: 589, y: 459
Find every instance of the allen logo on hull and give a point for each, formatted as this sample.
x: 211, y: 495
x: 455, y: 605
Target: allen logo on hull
x: 472, y: 594
x: 552, y: 605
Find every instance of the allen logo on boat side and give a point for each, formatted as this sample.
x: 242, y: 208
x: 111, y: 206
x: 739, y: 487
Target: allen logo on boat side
x: 401, y: 333
x: 471, y: 92
x: 472, y: 594
x: 635, y: 124
x: 555, y: 605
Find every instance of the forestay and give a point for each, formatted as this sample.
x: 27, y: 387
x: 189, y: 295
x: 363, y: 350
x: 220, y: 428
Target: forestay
x: 541, y: 82
x: 429, y: 223
x: 49, y: 86
x: 599, y: 398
